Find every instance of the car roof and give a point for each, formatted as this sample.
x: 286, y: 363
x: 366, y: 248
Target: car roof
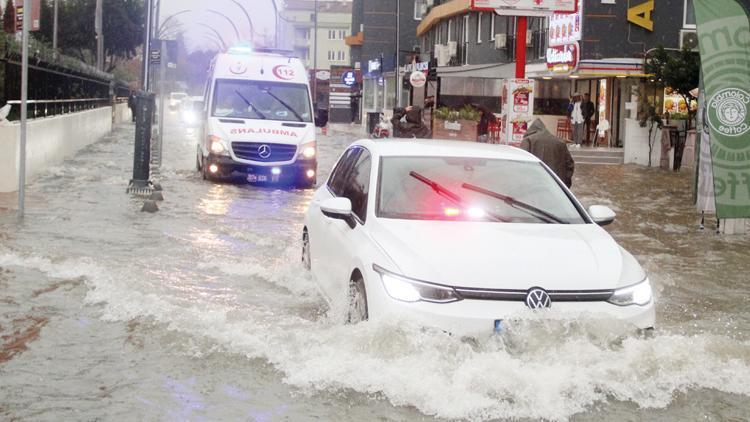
x: 443, y: 148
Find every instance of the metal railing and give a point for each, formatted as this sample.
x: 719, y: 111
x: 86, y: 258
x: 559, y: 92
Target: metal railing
x: 46, y: 108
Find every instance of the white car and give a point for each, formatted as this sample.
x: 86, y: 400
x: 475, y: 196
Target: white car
x: 462, y: 236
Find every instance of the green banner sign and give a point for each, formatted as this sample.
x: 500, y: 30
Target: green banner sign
x: 724, y: 40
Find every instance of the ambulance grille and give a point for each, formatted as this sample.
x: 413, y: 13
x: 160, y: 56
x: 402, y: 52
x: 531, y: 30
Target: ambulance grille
x: 272, y: 153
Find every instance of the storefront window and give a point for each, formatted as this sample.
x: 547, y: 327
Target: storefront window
x: 390, y: 94
x: 369, y: 94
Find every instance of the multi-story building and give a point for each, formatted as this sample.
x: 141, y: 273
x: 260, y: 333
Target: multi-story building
x: 383, y: 34
x: 599, y: 50
x: 334, y: 21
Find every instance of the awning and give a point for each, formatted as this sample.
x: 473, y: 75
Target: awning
x: 442, y: 12
x: 604, y: 68
x: 486, y: 71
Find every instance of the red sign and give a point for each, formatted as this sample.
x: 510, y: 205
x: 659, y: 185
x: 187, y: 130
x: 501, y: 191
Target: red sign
x: 524, y: 7
x: 562, y: 58
x: 36, y: 11
x: 284, y: 72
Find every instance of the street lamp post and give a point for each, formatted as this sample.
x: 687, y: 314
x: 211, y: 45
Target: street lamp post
x: 315, y: 56
x: 231, y: 23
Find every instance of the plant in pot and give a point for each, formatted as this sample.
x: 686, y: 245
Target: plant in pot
x: 460, y: 124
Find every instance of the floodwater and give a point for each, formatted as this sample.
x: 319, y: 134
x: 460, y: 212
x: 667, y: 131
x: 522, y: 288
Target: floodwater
x: 203, y: 312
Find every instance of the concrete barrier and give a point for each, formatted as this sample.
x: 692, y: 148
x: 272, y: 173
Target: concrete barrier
x: 51, y: 140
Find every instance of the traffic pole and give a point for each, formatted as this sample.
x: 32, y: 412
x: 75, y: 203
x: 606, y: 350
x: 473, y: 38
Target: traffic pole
x: 521, y: 27
x: 24, y: 108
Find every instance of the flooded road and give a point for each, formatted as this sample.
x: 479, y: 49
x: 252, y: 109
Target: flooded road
x: 202, y: 312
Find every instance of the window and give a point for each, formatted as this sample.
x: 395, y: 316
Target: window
x: 341, y: 56
x: 492, y: 26
x: 450, y: 38
x: 338, y: 175
x: 420, y: 9
x: 402, y: 196
x: 689, y: 15
x: 331, y: 55
x: 479, y: 27
x: 465, y: 53
x: 331, y: 34
x: 357, y: 184
x: 342, y: 34
x: 258, y: 100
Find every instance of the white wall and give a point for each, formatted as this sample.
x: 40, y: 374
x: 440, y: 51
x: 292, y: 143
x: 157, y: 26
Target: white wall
x: 51, y: 140
x: 636, y: 145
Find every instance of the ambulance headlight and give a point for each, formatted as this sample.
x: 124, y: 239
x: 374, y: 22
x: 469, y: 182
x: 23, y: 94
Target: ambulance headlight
x: 308, y: 151
x: 218, y: 146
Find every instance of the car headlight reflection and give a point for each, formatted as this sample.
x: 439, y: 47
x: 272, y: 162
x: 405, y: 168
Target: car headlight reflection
x: 308, y: 151
x: 639, y: 294
x: 408, y: 290
x: 218, y: 146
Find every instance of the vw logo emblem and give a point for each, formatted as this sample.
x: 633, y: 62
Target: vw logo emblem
x: 537, y: 299
x: 264, y: 151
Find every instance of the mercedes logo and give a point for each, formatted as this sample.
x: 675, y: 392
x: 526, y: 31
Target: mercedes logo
x: 264, y: 151
x: 537, y: 299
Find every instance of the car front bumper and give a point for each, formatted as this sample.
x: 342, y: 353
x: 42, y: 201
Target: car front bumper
x: 478, y: 317
x: 228, y: 166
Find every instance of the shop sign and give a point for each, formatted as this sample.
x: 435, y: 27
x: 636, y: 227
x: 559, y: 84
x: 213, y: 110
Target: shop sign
x: 518, y: 109
x: 373, y: 66
x: 524, y: 7
x: 349, y: 78
x: 421, y: 66
x: 565, y: 28
x: 641, y: 15
x: 417, y: 79
x: 34, y: 25
x: 562, y: 58
x: 323, y: 75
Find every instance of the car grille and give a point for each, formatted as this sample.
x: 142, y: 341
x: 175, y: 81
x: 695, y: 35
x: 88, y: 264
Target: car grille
x: 251, y: 151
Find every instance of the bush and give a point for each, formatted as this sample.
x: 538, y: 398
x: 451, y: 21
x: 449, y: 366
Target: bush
x: 467, y: 112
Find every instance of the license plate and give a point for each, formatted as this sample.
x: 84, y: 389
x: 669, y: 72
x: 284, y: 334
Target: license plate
x: 498, y: 325
x: 254, y: 178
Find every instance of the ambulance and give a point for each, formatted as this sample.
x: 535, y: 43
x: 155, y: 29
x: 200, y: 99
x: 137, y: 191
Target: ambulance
x: 259, y: 120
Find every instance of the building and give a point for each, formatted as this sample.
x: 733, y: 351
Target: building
x: 599, y: 50
x: 334, y: 25
x: 380, y: 28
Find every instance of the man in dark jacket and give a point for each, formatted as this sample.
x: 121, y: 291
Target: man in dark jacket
x: 414, y: 127
x: 587, y: 107
x: 551, y: 150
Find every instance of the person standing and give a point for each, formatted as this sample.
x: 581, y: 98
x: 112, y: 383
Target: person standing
x: 587, y: 107
x: 576, y: 119
x: 551, y: 150
x: 132, y: 102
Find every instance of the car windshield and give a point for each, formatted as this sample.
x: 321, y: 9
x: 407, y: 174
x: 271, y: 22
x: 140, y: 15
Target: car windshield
x: 262, y: 100
x: 472, y: 189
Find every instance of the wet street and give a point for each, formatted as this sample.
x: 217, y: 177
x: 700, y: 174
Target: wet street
x: 202, y: 311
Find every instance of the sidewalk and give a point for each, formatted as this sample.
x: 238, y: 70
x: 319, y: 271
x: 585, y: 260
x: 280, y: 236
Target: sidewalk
x: 352, y: 129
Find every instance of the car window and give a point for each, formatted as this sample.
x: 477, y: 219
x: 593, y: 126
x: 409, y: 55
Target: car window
x: 357, y: 184
x: 470, y: 184
x: 338, y: 176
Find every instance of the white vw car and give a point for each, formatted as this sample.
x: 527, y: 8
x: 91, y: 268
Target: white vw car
x: 463, y: 235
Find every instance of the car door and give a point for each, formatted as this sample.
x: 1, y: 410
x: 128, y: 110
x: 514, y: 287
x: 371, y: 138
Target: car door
x: 348, y: 244
x: 323, y: 252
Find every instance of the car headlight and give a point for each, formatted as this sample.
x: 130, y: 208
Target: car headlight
x: 637, y: 294
x: 409, y: 290
x: 308, y: 150
x: 217, y: 146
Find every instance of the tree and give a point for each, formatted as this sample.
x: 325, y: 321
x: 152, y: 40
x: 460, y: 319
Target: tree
x: 9, y: 17
x: 679, y: 70
x: 649, y: 117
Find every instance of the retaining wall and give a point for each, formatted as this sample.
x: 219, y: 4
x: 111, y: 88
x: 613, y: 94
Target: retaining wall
x: 51, y: 140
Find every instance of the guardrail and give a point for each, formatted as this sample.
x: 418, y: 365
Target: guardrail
x: 47, y: 108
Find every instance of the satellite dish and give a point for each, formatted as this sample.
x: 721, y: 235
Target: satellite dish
x: 4, y: 112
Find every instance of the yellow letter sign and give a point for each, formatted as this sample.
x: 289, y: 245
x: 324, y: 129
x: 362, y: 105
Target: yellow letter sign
x: 641, y: 15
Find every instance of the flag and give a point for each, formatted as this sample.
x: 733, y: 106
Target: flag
x: 724, y: 42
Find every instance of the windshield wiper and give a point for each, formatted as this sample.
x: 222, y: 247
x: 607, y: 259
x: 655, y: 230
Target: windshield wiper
x: 288, y: 107
x: 447, y: 193
x: 249, y: 104
x: 515, y: 203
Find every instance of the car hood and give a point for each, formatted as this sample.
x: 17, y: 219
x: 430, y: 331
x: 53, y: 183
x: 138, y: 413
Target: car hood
x: 507, y: 256
x: 248, y: 130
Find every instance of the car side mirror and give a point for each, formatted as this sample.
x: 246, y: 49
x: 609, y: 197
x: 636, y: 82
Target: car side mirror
x: 602, y: 215
x: 338, y: 209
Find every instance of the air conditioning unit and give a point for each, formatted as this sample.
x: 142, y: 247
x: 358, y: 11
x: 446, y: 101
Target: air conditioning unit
x: 452, y: 48
x: 689, y: 39
x: 501, y: 41
x: 529, y: 37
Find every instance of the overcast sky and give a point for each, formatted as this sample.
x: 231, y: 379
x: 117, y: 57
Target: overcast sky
x: 202, y: 18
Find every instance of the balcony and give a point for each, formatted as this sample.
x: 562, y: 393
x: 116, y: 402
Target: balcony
x: 354, y: 40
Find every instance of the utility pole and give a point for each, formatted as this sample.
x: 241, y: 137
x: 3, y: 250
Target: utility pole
x: 398, y: 53
x: 315, y: 57
x: 99, y: 36
x: 146, y: 46
x: 24, y: 107
x: 54, y: 28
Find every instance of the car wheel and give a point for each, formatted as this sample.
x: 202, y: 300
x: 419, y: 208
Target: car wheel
x: 306, y: 262
x: 357, y: 301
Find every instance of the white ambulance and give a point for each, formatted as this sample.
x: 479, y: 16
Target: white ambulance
x: 259, y: 120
